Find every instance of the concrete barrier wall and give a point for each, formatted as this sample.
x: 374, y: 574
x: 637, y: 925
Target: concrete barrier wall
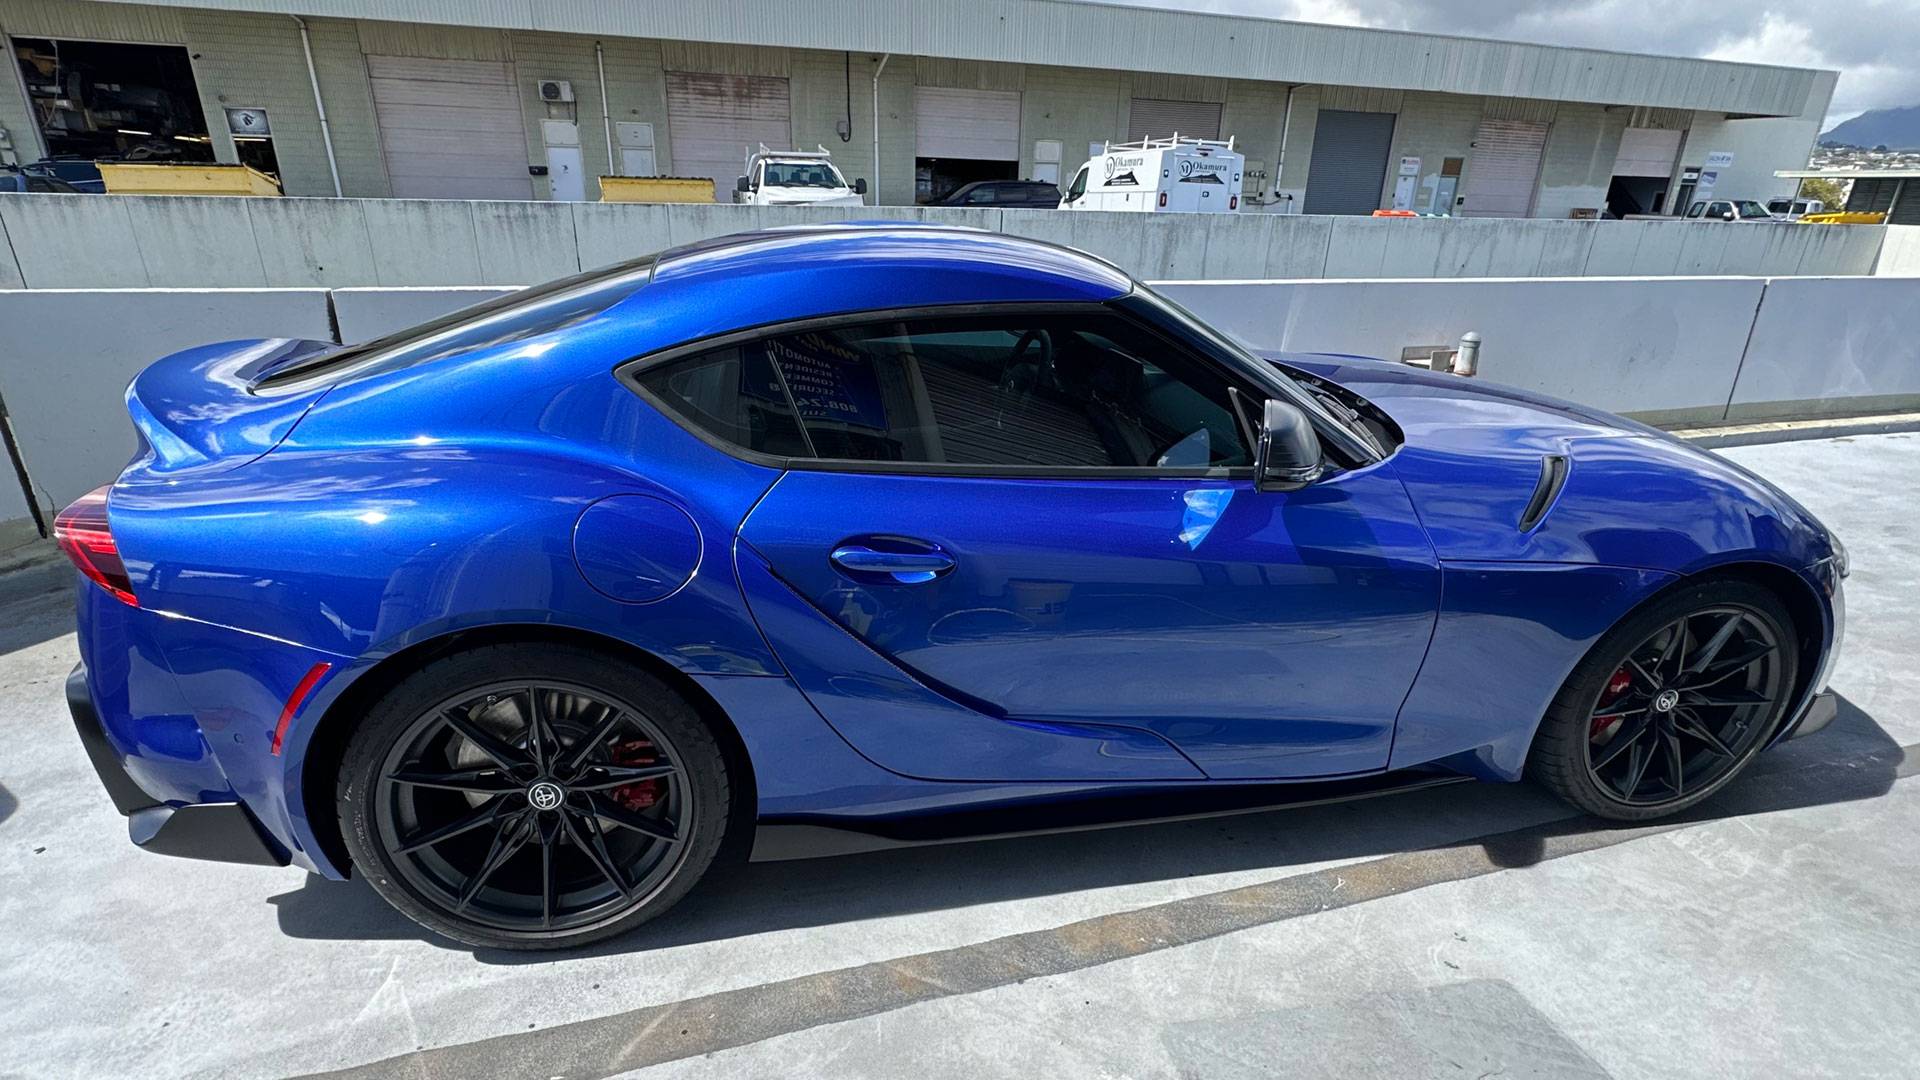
x: 68, y: 357
x: 1669, y: 350
x: 124, y: 241
x: 1899, y: 254
x: 365, y: 314
x: 1830, y: 346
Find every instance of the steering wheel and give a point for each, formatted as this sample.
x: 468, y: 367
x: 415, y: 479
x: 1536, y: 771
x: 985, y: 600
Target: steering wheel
x: 1019, y: 351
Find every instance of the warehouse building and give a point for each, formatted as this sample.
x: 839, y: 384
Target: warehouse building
x: 538, y: 100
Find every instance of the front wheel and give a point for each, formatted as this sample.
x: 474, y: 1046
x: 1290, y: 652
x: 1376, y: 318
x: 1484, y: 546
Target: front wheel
x: 1670, y: 704
x: 532, y: 797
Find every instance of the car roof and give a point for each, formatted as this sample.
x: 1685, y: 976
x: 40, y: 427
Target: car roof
x: 885, y: 264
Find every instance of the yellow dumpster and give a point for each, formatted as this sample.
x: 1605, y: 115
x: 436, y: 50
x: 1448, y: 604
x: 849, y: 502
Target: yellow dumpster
x: 657, y: 189
x: 126, y: 178
x: 1844, y: 217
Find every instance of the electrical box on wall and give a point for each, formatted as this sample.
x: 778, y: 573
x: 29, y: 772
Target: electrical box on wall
x: 556, y: 91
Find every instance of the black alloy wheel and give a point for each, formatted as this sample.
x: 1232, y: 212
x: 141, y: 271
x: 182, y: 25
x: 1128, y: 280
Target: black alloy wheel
x: 1684, y: 706
x: 1670, y: 704
x: 536, y: 811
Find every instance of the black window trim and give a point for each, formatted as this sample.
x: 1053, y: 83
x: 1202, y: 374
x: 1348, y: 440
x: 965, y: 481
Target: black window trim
x: 629, y: 371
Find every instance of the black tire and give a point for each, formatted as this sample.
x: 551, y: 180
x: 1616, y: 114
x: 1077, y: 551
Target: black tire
x: 1576, y: 755
x: 622, y: 842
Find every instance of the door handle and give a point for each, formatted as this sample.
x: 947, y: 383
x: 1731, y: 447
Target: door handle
x: 904, y: 567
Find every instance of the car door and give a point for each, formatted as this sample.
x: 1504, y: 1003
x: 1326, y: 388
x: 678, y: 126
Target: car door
x: 1026, y: 545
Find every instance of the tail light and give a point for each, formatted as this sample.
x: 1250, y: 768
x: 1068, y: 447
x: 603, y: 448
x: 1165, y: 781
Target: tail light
x: 1163, y: 198
x: 81, y: 531
x: 1233, y: 202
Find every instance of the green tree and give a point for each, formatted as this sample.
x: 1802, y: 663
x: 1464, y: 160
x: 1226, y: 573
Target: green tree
x: 1829, y: 191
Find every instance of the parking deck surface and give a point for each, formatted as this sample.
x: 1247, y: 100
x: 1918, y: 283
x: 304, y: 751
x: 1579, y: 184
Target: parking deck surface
x: 1468, y: 930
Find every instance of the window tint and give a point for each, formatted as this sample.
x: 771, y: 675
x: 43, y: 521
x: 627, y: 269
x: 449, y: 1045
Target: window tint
x: 1065, y: 391
x: 1079, y: 185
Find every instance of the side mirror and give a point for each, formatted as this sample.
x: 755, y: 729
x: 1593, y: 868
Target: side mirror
x: 860, y: 186
x: 1726, y: 215
x: 742, y: 186
x: 1289, y: 455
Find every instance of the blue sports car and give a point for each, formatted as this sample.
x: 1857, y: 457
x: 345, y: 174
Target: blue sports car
x: 832, y: 539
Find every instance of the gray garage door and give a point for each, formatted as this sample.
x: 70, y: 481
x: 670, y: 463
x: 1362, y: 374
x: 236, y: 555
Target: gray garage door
x: 715, y: 120
x: 451, y: 129
x: 1348, y: 170
x: 1504, y: 169
x: 1153, y: 118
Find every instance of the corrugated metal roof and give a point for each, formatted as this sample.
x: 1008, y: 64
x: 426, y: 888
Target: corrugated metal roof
x: 1123, y: 38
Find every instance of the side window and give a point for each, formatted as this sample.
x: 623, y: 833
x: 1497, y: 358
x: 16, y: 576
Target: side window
x: 1062, y: 391
x: 1719, y: 208
x: 980, y: 195
x: 732, y: 394
x: 1696, y: 209
x: 1079, y: 185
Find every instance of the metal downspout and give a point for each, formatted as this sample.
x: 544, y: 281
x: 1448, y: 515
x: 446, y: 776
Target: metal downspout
x: 326, y: 129
x: 876, y: 125
x: 606, y: 117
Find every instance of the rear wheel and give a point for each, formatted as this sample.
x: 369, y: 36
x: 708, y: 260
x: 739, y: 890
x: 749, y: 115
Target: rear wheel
x: 1671, y: 704
x: 530, y: 797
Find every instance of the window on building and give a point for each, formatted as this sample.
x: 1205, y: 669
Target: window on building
x: 1025, y: 391
x: 95, y: 100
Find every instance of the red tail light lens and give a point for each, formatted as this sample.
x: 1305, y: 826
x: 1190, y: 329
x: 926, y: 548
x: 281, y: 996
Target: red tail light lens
x: 81, y: 531
x: 1163, y: 198
x: 1233, y: 202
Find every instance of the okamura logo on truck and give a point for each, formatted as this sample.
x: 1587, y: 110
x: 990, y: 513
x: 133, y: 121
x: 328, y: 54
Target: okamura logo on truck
x: 1116, y: 178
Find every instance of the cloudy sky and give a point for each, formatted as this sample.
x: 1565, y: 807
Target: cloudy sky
x: 1874, y: 44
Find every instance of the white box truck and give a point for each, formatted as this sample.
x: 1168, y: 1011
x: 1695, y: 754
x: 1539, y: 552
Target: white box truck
x: 1200, y: 176
x: 795, y: 178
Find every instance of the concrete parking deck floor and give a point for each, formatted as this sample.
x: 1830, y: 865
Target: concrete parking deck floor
x: 1463, y: 931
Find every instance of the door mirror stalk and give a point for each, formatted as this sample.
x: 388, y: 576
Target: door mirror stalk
x: 1289, y: 456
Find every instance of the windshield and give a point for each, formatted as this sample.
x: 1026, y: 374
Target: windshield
x: 1309, y: 399
x: 1749, y: 208
x: 814, y: 174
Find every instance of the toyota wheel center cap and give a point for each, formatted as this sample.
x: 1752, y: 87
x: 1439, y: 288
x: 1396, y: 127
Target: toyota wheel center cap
x: 546, y: 795
x: 1666, y: 700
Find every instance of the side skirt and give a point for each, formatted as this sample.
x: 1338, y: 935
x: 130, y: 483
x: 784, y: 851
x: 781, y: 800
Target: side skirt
x: 782, y: 839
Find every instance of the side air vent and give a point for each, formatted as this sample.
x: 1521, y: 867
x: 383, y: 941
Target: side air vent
x: 1553, y: 477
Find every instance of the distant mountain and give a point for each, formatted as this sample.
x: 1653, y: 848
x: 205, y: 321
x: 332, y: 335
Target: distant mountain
x: 1897, y: 129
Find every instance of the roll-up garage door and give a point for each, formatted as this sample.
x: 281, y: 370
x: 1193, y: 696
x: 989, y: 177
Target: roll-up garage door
x: 1152, y: 118
x: 715, y: 120
x: 972, y: 125
x: 451, y: 129
x: 1348, y: 170
x: 1504, y: 168
x: 1646, y: 152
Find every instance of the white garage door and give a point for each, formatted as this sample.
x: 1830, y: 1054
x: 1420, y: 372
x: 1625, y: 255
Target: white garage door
x: 715, y: 120
x: 975, y: 125
x: 451, y: 129
x: 1504, y: 168
x: 1153, y: 118
x: 1646, y: 152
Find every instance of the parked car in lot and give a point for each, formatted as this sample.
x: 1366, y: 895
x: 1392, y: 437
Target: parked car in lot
x: 1018, y: 194
x: 1785, y: 209
x: 82, y: 173
x: 15, y: 180
x: 796, y: 178
x: 850, y: 537
x: 1738, y: 210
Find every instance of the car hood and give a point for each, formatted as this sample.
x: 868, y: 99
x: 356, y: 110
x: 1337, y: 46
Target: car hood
x: 1476, y: 454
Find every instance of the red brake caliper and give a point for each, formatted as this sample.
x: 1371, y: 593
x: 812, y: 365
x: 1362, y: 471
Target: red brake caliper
x: 633, y: 754
x: 1617, y: 685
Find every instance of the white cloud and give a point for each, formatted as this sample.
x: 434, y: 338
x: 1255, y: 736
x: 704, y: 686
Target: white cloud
x: 1874, y: 44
